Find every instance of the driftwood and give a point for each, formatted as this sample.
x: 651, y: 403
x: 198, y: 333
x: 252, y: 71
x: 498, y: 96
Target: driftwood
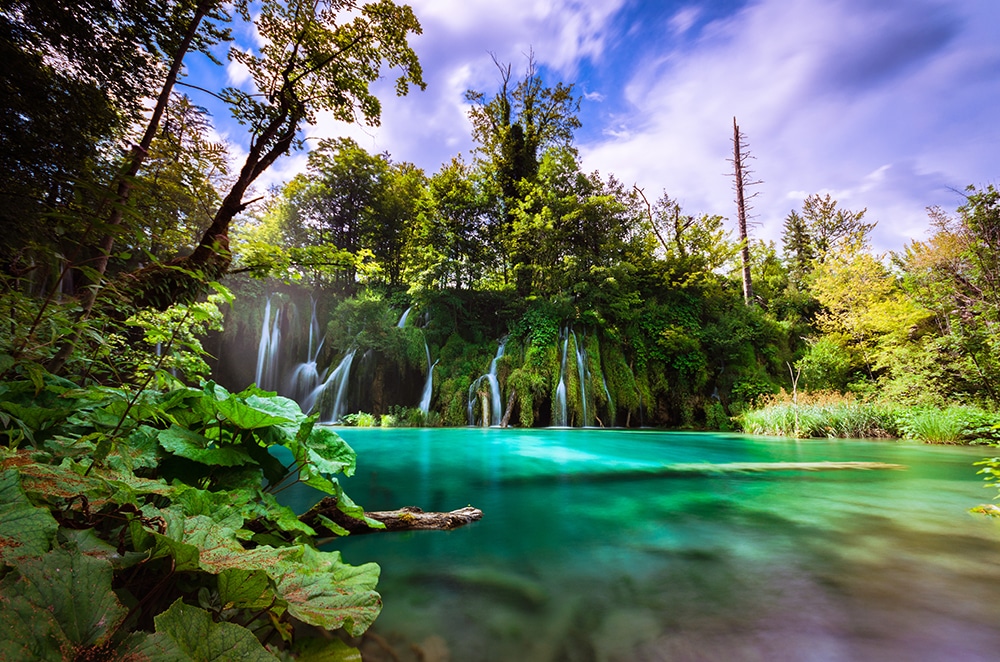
x: 408, y: 518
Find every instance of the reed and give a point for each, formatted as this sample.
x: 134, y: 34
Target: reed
x: 823, y: 414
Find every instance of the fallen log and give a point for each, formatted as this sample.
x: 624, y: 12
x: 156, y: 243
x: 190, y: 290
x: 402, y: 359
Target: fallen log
x: 696, y: 469
x: 408, y: 518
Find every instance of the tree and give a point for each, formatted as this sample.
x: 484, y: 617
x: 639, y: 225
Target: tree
x: 955, y: 274
x: 309, y: 62
x: 448, y: 243
x: 177, y: 190
x: 797, y: 249
x: 514, y: 128
x: 742, y: 179
x: 76, y: 77
x: 831, y: 230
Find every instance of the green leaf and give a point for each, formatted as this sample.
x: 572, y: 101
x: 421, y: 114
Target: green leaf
x: 188, y: 634
x: 315, y: 649
x: 246, y: 589
x: 25, y: 530
x: 277, y: 405
x: 193, y: 446
x: 248, y: 417
x: 324, y: 591
x: 76, y: 590
x: 29, y: 632
x: 329, y: 453
x: 283, y: 517
x: 90, y: 544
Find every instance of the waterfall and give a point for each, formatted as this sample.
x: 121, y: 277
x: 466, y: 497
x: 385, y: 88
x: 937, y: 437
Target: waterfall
x: 306, y: 375
x: 611, y: 406
x: 495, y: 413
x: 559, y: 412
x: 581, y: 366
x: 335, y: 386
x: 402, y: 320
x: 496, y: 402
x: 425, y: 399
x: 266, y: 376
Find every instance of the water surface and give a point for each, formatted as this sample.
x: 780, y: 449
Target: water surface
x: 586, y: 553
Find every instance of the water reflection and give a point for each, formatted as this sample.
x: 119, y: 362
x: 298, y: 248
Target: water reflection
x: 825, y: 566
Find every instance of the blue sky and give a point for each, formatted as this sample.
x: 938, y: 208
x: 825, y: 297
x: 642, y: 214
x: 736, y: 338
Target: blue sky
x: 889, y: 105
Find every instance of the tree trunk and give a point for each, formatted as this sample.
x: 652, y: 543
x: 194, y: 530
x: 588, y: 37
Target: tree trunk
x: 739, y: 170
x: 511, y: 399
x: 140, y: 151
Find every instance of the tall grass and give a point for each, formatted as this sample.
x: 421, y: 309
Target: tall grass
x: 820, y: 414
x: 957, y: 424
x: 829, y: 414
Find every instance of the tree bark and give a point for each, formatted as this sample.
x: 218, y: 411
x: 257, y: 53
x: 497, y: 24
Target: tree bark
x: 739, y: 170
x: 408, y: 518
x: 140, y: 151
x: 511, y: 399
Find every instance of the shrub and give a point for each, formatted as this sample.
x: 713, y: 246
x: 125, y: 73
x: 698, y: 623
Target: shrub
x: 950, y: 425
x: 359, y: 420
x: 152, y: 516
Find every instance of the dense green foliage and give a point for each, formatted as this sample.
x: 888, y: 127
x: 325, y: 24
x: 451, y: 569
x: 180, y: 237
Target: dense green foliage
x: 148, y: 520
x: 139, y: 513
x: 137, y: 497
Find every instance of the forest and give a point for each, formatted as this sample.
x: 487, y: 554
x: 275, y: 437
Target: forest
x: 142, y: 268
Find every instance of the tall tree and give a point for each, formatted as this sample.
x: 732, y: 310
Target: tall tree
x: 831, y: 229
x: 797, y: 248
x: 743, y: 179
x: 315, y: 56
x: 514, y: 127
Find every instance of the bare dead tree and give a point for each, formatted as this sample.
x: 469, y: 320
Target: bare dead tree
x: 743, y: 179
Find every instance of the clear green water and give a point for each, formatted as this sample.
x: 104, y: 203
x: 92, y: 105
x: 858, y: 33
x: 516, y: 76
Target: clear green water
x: 582, y: 557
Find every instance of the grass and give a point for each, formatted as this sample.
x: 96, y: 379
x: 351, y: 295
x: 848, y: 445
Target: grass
x: 830, y: 414
x: 820, y: 414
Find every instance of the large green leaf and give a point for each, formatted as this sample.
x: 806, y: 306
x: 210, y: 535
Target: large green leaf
x: 243, y: 588
x: 193, y: 446
x: 251, y: 417
x: 329, y: 453
x: 29, y: 632
x: 188, y: 634
x: 322, y: 590
x: 277, y: 406
x: 315, y: 649
x: 25, y: 530
x: 75, y: 589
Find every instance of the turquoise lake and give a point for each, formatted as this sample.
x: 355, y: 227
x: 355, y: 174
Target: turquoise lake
x: 591, y: 549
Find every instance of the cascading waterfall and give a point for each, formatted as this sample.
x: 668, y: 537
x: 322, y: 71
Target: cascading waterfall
x: 425, y: 399
x: 306, y: 375
x: 611, y: 405
x: 267, y: 376
x: 495, y: 414
x: 402, y: 320
x: 334, y: 387
x: 559, y: 413
x: 581, y: 366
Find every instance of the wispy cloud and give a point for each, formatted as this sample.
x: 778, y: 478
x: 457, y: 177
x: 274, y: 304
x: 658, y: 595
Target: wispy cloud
x: 838, y: 96
x: 891, y: 106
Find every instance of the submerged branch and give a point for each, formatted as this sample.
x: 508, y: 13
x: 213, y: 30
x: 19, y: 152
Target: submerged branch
x: 695, y: 469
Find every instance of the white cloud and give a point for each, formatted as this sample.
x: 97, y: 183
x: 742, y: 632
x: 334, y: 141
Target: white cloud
x: 826, y: 106
x: 684, y: 20
x: 889, y: 105
x: 237, y: 73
